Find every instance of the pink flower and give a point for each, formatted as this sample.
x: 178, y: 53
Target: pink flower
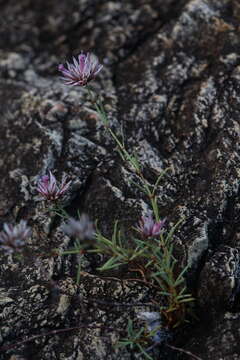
x: 48, y: 188
x: 12, y: 238
x: 149, y: 228
x: 81, y: 71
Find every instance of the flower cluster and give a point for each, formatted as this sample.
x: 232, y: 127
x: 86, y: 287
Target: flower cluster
x: 82, y: 71
x: 80, y: 229
x: 149, y: 228
x: 48, y: 188
x: 12, y: 238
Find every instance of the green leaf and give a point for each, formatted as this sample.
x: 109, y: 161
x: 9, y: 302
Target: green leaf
x: 122, y: 343
x: 110, y: 264
x: 165, y: 277
x: 144, y: 352
x: 114, y: 235
x: 105, y: 241
x: 69, y: 252
x: 137, y: 185
x: 187, y: 300
x: 165, y: 293
x: 172, y: 231
x: 79, y: 271
x: 158, y: 179
x: 136, y: 254
x: 180, y: 279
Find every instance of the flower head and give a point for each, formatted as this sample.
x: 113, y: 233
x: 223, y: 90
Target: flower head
x: 12, y: 238
x: 48, y: 188
x: 81, y: 71
x: 153, y: 323
x: 80, y: 229
x: 149, y: 228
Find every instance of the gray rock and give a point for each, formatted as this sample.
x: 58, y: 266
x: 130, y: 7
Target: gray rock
x: 171, y: 84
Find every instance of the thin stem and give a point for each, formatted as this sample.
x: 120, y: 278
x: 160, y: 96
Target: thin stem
x: 101, y: 112
x: 184, y: 351
x: 51, y: 333
x: 79, y: 269
x: 109, y: 303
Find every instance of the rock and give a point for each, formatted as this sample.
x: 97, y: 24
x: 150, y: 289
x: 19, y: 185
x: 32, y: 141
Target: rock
x: 219, y: 279
x: 170, y: 83
x: 218, y: 339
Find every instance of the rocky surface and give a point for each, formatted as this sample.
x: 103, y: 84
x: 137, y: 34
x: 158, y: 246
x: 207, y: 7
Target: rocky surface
x: 171, y: 81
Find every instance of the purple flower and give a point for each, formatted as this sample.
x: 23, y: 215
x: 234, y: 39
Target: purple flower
x: 149, y: 228
x: 12, y: 238
x: 48, y: 188
x: 80, y: 229
x: 81, y: 71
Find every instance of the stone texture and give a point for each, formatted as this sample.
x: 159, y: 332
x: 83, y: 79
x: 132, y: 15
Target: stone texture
x: 218, y: 339
x: 171, y: 82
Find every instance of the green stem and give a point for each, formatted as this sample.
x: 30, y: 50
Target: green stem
x: 101, y: 112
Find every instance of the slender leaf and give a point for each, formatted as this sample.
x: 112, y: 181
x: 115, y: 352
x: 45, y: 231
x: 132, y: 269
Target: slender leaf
x: 144, y: 352
x: 181, y: 275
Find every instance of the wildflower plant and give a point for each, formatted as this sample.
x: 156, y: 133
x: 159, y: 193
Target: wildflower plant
x: 152, y: 333
x: 152, y: 252
x: 147, y: 337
